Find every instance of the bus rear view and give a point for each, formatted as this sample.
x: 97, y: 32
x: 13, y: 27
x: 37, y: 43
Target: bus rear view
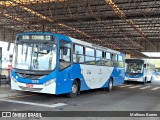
x: 139, y: 70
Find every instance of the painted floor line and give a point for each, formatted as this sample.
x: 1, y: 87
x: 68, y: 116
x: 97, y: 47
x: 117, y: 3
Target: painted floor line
x: 22, y: 96
x: 136, y: 86
x: 35, y: 104
x: 156, y: 88
x: 125, y: 85
x: 145, y: 87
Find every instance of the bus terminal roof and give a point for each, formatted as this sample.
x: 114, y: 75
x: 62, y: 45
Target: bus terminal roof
x: 129, y: 26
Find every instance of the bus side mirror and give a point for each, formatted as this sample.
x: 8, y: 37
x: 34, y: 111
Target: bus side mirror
x: 145, y: 65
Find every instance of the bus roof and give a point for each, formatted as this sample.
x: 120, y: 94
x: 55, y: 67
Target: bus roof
x: 138, y: 59
x: 94, y: 46
x: 48, y: 33
x: 67, y: 38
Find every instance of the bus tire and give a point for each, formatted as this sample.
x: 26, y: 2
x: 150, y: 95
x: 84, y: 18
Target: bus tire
x: 126, y: 82
x: 150, y: 80
x: 74, y: 90
x: 145, y: 80
x: 110, y: 85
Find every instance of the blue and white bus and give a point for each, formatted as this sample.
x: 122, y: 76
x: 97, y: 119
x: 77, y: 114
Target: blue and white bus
x: 139, y: 70
x: 56, y: 64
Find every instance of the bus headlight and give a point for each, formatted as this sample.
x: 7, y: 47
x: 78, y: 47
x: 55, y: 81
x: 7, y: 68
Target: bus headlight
x: 12, y: 78
x: 50, y: 82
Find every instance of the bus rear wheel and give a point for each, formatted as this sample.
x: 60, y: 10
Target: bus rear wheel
x: 74, y: 90
x: 110, y: 85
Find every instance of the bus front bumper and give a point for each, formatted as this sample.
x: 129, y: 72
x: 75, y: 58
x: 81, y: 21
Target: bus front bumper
x: 140, y: 79
x: 39, y: 88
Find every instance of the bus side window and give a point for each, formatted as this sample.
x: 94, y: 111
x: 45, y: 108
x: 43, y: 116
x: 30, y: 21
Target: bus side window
x: 120, y: 61
x: 65, y: 54
x: 147, y: 66
x: 78, y: 54
x: 115, y: 60
x: 89, y: 56
x: 108, y: 61
x: 99, y: 58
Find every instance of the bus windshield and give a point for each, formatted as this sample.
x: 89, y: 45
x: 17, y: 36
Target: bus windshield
x: 39, y: 57
x: 134, y: 67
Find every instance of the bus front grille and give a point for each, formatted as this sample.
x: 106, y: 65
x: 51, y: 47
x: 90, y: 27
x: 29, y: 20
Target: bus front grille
x: 30, y: 89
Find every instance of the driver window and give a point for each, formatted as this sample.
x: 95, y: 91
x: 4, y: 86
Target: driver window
x: 65, y: 54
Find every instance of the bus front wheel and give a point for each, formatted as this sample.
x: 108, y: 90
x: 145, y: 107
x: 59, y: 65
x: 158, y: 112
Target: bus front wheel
x: 145, y: 80
x: 110, y: 85
x: 150, y: 80
x: 74, y: 90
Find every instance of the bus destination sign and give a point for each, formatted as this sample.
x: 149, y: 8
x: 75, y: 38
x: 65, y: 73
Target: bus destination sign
x: 36, y: 37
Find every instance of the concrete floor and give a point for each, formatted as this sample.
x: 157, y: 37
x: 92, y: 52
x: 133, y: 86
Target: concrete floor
x: 128, y: 97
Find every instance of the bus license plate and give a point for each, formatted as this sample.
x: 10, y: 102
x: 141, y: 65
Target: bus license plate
x: 29, y: 85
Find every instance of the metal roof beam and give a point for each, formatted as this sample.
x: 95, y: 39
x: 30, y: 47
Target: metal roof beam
x: 19, y: 3
x: 27, y: 2
x: 121, y: 14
